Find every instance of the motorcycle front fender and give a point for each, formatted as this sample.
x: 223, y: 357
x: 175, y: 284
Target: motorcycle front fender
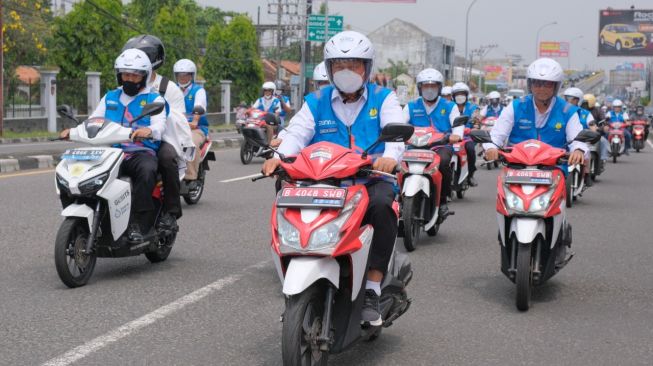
x: 526, y: 229
x: 302, y: 272
x: 415, y: 183
x: 77, y: 210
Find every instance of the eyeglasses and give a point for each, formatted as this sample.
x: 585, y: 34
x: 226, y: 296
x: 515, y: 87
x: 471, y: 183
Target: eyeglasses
x: 543, y: 83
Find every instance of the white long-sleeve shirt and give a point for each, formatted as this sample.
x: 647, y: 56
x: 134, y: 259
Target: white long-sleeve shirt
x: 503, y: 126
x: 157, y: 121
x: 459, y: 131
x: 301, y: 129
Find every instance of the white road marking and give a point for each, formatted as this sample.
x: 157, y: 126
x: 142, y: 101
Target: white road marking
x: 127, y: 329
x: 649, y: 143
x: 11, y: 175
x: 239, y: 178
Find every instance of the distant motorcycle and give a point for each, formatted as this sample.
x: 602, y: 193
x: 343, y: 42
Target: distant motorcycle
x: 486, y: 125
x: 192, y: 190
x: 639, y: 134
x: 256, y: 121
x: 617, y: 139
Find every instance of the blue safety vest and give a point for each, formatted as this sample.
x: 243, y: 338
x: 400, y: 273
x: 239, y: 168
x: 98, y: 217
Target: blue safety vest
x: 554, y: 130
x: 438, y: 118
x: 286, y: 100
x: 617, y: 117
x: 491, y: 112
x: 273, y: 106
x: 360, y: 135
x: 189, y: 101
x: 582, y: 115
x: 469, y: 111
x: 116, y: 112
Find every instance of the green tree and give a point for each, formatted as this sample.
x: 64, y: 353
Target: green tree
x: 395, y: 69
x: 26, y: 29
x: 174, y: 26
x: 144, y: 11
x: 232, y: 54
x: 87, y: 40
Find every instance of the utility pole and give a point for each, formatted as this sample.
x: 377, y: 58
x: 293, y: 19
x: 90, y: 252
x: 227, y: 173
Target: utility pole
x: 279, y: 13
x: 2, y: 73
x: 305, y: 82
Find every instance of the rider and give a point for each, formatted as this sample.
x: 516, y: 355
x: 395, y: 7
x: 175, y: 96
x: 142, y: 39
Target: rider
x: 284, y: 103
x: 446, y: 93
x: 540, y: 115
x: 353, y: 111
x: 618, y: 115
x: 320, y: 77
x: 194, y: 95
x: 460, y: 92
x: 268, y: 103
x: 177, y: 136
x: 589, y: 103
x: 640, y: 115
x: 430, y: 110
x: 494, y: 107
x: 122, y: 105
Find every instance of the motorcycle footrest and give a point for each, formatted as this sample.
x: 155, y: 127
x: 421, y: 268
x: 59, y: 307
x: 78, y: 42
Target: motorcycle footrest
x: 564, y: 262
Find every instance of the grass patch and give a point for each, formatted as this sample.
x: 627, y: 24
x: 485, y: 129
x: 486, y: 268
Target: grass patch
x: 16, y: 135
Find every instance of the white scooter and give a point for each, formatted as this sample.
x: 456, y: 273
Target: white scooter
x: 97, y: 201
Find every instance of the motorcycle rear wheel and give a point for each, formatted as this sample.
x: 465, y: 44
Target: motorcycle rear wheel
x: 302, y: 322
x: 412, y: 227
x: 570, y: 194
x: 163, y: 251
x: 246, y: 153
x: 73, y: 266
x: 524, y: 278
x: 193, y: 197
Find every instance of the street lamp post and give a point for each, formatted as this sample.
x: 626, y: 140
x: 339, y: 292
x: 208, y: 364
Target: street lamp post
x: 467, y: 37
x: 569, y: 52
x: 537, y: 37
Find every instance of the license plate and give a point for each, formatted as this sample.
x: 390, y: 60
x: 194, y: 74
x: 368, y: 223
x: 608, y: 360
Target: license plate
x: 83, y: 155
x: 419, y: 156
x: 312, y: 197
x: 529, y: 177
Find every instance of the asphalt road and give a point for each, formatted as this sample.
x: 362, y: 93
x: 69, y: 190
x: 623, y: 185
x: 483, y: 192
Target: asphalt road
x: 217, y: 299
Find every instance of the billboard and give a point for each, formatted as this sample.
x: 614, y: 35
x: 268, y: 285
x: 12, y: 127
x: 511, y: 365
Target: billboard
x: 554, y: 49
x: 496, y: 74
x: 625, y: 32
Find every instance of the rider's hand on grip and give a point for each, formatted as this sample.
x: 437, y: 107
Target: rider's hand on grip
x: 64, y: 135
x: 577, y: 157
x: 386, y: 165
x: 270, y: 166
x: 141, y: 134
x: 491, y: 154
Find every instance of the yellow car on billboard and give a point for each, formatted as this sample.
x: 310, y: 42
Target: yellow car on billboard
x: 622, y: 36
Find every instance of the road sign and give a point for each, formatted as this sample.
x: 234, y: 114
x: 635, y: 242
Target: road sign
x: 317, y: 27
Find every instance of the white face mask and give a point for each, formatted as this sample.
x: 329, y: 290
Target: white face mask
x: 461, y: 99
x: 268, y: 97
x: 347, y: 81
x: 430, y: 94
x: 185, y: 85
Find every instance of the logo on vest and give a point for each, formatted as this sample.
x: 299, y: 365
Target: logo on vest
x: 143, y: 103
x: 443, y: 111
x: 524, y: 124
x: 558, y: 126
x: 374, y: 112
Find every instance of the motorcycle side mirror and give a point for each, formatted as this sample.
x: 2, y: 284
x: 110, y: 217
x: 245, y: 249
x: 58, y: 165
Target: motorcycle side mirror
x: 392, y: 132
x: 66, y: 111
x: 588, y: 136
x: 198, y: 109
x: 480, y: 136
x: 150, y: 110
x: 460, y: 121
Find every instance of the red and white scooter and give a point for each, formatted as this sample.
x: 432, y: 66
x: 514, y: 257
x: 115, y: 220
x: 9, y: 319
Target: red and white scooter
x: 533, y: 230
x: 321, y: 250
x: 639, y: 133
x: 460, y: 167
x: 617, y: 139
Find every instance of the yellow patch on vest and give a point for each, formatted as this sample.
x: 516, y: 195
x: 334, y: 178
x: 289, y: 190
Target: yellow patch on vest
x: 374, y: 112
x: 558, y: 125
x: 143, y: 103
x: 443, y: 111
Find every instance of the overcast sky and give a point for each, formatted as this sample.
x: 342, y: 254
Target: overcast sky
x: 511, y: 24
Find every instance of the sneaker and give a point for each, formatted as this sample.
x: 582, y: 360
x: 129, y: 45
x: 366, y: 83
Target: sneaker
x: 472, y: 181
x: 626, y: 153
x: 444, y: 211
x: 167, y: 222
x: 371, y: 313
x: 134, y: 235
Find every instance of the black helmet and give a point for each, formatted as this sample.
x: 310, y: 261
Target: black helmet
x: 151, y: 45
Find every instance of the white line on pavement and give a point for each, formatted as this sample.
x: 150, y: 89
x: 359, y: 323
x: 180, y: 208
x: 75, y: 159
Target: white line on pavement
x: 239, y: 178
x: 11, y: 175
x: 649, y: 143
x: 127, y: 329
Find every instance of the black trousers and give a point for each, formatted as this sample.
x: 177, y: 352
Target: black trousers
x: 170, y: 176
x: 445, y: 154
x: 141, y: 167
x: 471, y: 156
x: 384, y: 221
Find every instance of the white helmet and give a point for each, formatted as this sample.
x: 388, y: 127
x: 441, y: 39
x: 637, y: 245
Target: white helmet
x: 185, y: 66
x: 269, y: 85
x: 320, y: 73
x: 574, y: 92
x: 429, y: 76
x: 545, y: 69
x: 460, y: 88
x: 349, y: 45
x: 597, y: 105
x: 494, y: 95
x: 133, y: 61
x: 446, y: 90
x: 617, y: 103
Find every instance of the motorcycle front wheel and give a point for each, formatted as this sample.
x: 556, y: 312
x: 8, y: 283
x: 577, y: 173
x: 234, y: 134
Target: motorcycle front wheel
x: 74, y: 266
x: 524, y: 278
x: 412, y: 226
x: 246, y: 153
x: 302, y: 324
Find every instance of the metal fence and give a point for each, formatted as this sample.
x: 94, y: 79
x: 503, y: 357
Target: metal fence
x: 23, y: 99
x: 74, y: 93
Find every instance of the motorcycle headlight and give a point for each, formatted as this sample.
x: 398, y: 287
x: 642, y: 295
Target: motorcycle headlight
x: 94, y: 184
x: 541, y: 202
x: 420, y: 140
x: 329, y: 233
x: 288, y: 234
x: 513, y: 201
x: 61, y: 181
